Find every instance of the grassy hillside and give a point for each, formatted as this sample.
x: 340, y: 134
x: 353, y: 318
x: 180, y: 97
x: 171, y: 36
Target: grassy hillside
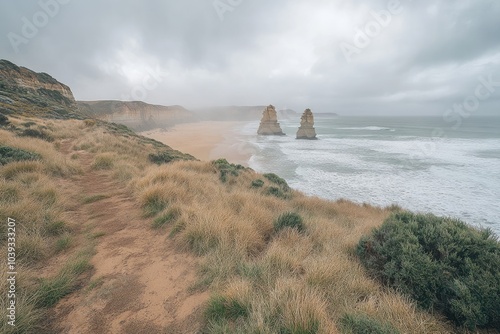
x: 272, y: 259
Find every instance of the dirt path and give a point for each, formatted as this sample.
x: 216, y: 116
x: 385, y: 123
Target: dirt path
x: 140, y: 282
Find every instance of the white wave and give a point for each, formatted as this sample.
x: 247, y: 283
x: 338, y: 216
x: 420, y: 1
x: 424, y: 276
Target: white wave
x: 369, y: 128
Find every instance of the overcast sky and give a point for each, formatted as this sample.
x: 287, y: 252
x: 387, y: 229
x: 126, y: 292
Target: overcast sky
x: 350, y: 57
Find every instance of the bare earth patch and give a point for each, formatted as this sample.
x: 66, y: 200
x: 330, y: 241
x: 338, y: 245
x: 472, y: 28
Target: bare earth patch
x: 140, y: 282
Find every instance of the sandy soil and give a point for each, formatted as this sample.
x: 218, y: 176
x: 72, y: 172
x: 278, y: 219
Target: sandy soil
x: 206, y: 140
x: 141, y: 281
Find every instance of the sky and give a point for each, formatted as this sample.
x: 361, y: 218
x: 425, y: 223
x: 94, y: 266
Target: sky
x: 358, y: 57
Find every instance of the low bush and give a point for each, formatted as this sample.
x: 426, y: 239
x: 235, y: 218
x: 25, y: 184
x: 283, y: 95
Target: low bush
x: 442, y: 263
x: 289, y: 220
x: 4, y: 120
x: 257, y: 183
x: 277, y: 192
x: 362, y: 324
x: 11, y: 154
x: 34, y: 133
x: 277, y: 180
x: 227, y: 169
x: 161, y: 157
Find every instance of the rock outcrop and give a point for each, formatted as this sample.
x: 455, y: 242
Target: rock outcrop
x: 306, y: 129
x: 269, y: 125
x: 137, y: 115
x: 37, y: 94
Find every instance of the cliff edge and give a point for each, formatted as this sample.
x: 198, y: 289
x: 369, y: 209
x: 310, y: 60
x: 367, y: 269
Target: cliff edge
x: 137, y: 115
x: 23, y: 91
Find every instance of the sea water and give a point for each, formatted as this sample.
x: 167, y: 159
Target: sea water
x: 420, y: 163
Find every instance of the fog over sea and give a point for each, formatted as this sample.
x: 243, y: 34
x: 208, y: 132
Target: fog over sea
x: 392, y: 160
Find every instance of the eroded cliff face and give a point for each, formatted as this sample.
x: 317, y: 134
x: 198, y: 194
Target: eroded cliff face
x: 25, y: 91
x: 137, y: 115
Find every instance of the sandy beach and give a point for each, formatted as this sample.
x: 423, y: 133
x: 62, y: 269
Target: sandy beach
x: 206, y: 140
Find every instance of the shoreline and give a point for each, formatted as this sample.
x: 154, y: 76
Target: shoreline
x: 206, y: 140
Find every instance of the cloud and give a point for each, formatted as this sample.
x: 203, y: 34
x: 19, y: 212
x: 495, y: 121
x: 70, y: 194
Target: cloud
x: 283, y: 52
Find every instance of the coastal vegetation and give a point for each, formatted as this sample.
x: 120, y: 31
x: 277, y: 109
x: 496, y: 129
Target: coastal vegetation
x: 442, y: 263
x: 271, y: 259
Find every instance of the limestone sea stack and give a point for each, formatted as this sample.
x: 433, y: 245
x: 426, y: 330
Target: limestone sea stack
x: 269, y: 125
x: 306, y: 130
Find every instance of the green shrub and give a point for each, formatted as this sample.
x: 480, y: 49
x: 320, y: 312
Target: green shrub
x: 161, y: 157
x: 277, y: 192
x: 227, y: 169
x: 362, y: 324
x: 34, y: 133
x: 257, y: 183
x: 11, y: 154
x: 289, y: 220
x: 277, y: 180
x: 28, y: 124
x: 4, y: 120
x: 442, y: 263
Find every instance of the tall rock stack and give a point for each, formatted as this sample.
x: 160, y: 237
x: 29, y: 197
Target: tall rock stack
x: 269, y: 125
x: 306, y: 130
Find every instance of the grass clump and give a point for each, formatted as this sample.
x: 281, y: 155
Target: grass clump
x: 442, y: 263
x: 11, y: 154
x: 167, y: 218
x: 56, y: 228
x: 362, y: 324
x: 257, y: 183
x: 103, y: 162
x: 63, y: 243
x: 224, y: 308
x: 153, y: 203
x: 51, y: 290
x: 289, y: 220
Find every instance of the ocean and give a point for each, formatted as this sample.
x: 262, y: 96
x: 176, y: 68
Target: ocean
x: 423, y: 164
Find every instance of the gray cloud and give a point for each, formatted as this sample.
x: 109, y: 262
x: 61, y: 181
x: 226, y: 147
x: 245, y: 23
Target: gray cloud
x: 284, y: 52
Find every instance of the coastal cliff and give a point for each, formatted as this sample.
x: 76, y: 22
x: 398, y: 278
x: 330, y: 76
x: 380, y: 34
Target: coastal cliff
x: 136, y: 114
x: 25, y: 91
